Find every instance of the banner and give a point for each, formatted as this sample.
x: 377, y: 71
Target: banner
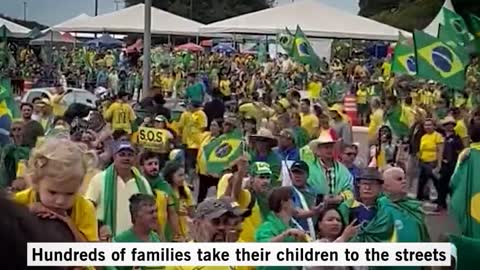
x: 152, y: 138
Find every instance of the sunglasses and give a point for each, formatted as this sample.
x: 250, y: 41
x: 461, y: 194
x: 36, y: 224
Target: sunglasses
x: 264, y: 176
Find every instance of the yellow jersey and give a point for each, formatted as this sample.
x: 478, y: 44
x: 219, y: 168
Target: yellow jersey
x: 192, y: 126
x: 121, y: 116
x: 310, y: 123
x: 428, y: 146
x: 83, y: 212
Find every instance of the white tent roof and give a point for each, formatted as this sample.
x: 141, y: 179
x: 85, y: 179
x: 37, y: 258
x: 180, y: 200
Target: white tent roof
x: 315, y: 19
x: 131, y: 20
x: 13, y: 27
x: 68, y: 22
x: 432, y: 28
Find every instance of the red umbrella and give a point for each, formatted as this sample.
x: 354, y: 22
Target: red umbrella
x: 189, y: 47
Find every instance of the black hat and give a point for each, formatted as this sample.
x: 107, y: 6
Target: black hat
x: 299, y: 166
x: 371, y: 174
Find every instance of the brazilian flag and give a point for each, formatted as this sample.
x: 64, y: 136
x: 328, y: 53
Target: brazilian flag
x: 448, y: 36
x: 455, y: 24
x: 404, y: 57
x: 303, y: 51
x: 222, y: 151
x: 286, y: 41
x: 465, y: 198
x: 474, y: 23
x: 437, y: 61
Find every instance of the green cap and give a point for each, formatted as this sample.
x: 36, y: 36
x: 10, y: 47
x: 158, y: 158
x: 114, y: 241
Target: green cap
x: 260, y: 168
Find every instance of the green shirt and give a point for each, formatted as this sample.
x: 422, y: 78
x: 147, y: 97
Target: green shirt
x: 195, y: 93
x: 273, y: 226
x: 129, y: 236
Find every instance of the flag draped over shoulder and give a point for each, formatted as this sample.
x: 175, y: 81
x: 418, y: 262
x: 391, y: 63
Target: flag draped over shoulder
x: 8, y: 110
x: 465, y: 198
x: 404, y: 57
x: 303, y: 51
x: 397, y: 119
x: 380, y: 229
x: 222, y: 151
x: 437, y: 61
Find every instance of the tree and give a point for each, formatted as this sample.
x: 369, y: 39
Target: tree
x: 207, y: 11
x: 411, y: 14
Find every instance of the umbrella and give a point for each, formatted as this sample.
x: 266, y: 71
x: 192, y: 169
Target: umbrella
x: 223, y: 48
x: 105, y: 41
x: 191, y: 47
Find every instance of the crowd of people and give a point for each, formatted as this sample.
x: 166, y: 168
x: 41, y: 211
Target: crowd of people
x: 85, y: 175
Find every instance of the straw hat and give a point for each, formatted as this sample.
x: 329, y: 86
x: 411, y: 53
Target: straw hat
x: 323, y: 139
x: 448, y: 120
x: 264, y: 134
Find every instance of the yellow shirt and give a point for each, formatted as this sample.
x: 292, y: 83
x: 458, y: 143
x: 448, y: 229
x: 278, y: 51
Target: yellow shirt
x: 184, y: 205
x: 192, y: 125
x: 362, y: 96
x: 376, y: 121
x: 58, y: 105
x: 386, y: 69
x: 428, y: 146
x: 225, y: 88
x: 461, y: 129
x: 201, y: 161
x: 82, y: 215
x: 251, y: 223
x: 162, y: 202
x: 250, y: 110
x: 314, y: 89
x: 121, y: 115
x: 167, y: 84
x: 310, y: 123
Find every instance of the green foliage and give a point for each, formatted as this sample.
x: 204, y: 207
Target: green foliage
x: 207, y: 11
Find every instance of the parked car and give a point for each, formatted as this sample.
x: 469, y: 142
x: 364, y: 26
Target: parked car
x: 76, y: 95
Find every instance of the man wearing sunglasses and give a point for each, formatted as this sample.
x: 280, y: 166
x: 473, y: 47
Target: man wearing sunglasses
x: 349, y: 154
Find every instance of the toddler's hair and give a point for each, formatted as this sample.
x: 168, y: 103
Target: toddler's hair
x: 60, y: 160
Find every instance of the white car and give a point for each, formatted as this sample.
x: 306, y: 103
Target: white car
x: 76, y: 95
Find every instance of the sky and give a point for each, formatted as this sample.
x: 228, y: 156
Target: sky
x: 51, y: 12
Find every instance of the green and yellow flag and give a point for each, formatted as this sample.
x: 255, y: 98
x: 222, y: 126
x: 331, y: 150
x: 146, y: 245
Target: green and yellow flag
x: 222, y: 151
x: 465, y: 198
x: 397, y: 119
x: 286, y: 41
x: 454, y: 24
x: 303, y: 51
x: 445, y: 34
x: 437, y: 61
x: 404, y: 57
x: 474, y: 23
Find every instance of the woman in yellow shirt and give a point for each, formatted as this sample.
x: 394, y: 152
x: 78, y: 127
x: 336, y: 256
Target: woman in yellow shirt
x: 55, y: 172
x: 430, y: 157
x: 174, y: 174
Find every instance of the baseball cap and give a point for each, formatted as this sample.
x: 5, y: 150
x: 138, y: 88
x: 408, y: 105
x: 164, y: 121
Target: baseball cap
x: 212, y: 208
x: 299, y: 166
x: 160, y: 118
x: 123, y: 145
x: 287, y: 133
x: 260, y: 168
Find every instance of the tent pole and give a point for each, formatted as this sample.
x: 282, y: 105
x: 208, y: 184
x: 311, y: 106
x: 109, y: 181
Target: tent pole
x: 169, y: 39
x: 146, y: 48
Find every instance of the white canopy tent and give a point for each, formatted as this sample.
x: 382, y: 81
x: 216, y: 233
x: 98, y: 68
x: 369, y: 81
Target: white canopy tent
x: 74, y: 20
x: 13, y: 27
x: 432, y: 28
x: 131, y: 20
x: 315, y: 19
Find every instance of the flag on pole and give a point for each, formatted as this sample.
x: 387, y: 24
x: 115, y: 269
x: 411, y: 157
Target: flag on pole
x: 435, y: 60
x: 222, y: 151
x: 474, y: 23
x: 303, y: 52
x: 449, y: 37
x: 404, y: 57
x: 286, y: 41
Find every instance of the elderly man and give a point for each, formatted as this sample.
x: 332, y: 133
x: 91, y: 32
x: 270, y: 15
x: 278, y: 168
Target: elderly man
x: 407, y: 213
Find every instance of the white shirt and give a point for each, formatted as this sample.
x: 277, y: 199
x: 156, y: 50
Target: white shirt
x: 125, y: 189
